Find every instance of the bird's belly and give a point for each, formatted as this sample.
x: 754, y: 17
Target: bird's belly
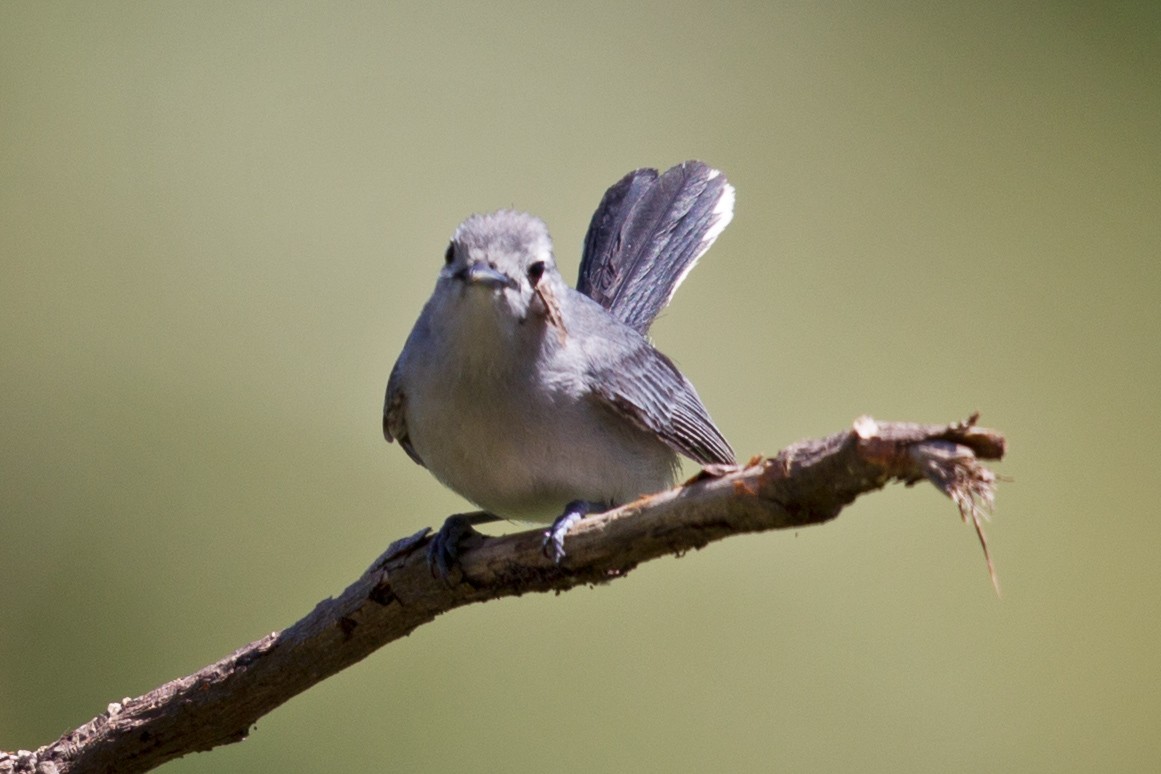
x: 525, y: 458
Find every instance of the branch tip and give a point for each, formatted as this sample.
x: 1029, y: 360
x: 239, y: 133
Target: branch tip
x: 955, y: 470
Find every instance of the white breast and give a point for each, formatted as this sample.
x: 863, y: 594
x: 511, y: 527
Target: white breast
x: 518, y: 434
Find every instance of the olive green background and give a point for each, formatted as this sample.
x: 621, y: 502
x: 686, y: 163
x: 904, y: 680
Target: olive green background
x: 218, y: 222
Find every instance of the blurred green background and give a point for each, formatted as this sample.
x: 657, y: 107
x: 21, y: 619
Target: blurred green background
x: 218, y: 222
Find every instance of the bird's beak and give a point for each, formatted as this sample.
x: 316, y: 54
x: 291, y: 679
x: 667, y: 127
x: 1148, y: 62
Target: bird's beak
x: 480, y: 273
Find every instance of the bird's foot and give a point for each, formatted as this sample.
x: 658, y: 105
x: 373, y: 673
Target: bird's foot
x: 456, y: 534
x: 573, y: 512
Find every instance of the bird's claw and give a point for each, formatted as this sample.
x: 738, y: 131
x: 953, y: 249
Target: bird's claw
x: 456, y: 534
x: 554, y: 535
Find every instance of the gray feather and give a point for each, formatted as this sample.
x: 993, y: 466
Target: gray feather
x: 646, y: 235
x: 395, y: 416
x: 646, y: 387
x: 626, y: 374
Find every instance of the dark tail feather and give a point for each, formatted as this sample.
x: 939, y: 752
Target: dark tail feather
x: 647, y: 233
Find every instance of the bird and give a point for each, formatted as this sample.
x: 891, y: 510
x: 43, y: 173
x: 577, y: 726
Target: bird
x: 539, y: 402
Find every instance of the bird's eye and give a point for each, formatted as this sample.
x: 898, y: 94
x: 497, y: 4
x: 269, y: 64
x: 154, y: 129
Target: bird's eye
x: 451, y: 252
x: 535, y: 272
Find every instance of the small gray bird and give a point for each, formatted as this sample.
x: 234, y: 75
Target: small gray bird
x: 538, y: 402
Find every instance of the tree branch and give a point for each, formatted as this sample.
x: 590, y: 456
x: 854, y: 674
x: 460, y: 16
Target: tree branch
x: 807, y: 483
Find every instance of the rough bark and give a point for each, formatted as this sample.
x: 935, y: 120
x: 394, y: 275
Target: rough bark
x: 807, y: 483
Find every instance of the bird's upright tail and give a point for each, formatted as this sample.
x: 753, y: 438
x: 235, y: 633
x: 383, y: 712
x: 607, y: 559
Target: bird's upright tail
x: 646, y: 235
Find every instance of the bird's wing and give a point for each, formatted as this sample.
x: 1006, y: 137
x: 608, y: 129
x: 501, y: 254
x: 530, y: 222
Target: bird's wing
x: 394, y: 418
x: 645, y: 386
x: 646, y: 235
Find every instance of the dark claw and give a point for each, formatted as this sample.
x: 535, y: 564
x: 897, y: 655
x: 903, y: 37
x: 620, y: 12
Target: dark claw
x: 554, y: 535
x: 456, y: 534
